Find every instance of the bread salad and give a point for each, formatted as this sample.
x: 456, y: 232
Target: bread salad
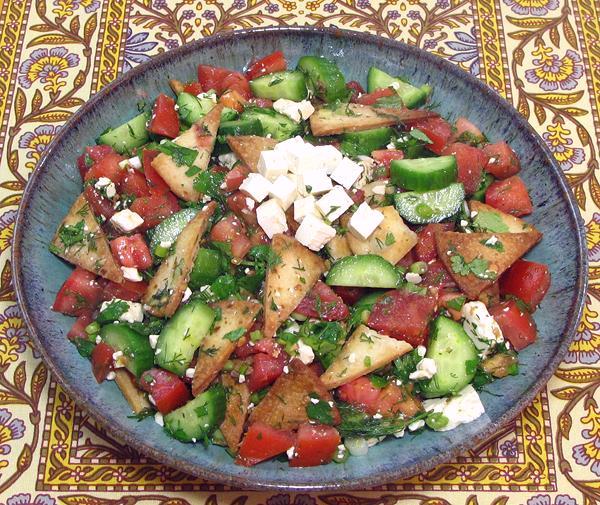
x: 285, y: 264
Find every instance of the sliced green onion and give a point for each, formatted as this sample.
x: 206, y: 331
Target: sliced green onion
x: 92, y: 328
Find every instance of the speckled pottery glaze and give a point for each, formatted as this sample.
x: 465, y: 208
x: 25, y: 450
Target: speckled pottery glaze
x: 56, y: 182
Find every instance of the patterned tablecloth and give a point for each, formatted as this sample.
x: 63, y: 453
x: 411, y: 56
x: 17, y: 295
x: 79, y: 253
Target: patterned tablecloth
x: 542, y: 55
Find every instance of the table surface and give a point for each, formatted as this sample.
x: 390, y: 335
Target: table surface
x: 542, y: 55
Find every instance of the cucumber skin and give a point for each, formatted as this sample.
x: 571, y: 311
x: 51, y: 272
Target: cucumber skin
x: 170, y: 228
x: 452, y: 350
x: 291, y: 87
x: 411, y: 95
x: 135, y: 347
x: 199, y: 276
x: 239, y: 127
x: 323, y: 78
x: 367, y: 270
x: 192, y: 109
x: 410, y: 174
x: 176, y: 349
x: 121, y: 139
x: 279, y: 126
x: 406, y: 209
x: 186, y: 423
x: 365, y: 142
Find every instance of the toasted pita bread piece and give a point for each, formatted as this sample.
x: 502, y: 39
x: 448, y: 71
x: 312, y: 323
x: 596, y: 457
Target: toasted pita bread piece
x: 351, y: 117
x: 248, y: 148
x: 80, y: 240
x: 289, y: 281
x: 365, y: 351
x: 135, y: 397
x: 477, y: 260
x: 168, y: 285
x: 201, y: 136
x: 392, y: 239
x: 284, y: 406
x: 236, y: 412
x: 215, y: 348
x: 488, y: 219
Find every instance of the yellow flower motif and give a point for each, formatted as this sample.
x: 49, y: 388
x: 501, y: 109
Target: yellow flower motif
x: 12, y: 335
x: 585, y: 347
x: 313, y: 6
x: 48, y: 66
x: 64, y: 8
x: 589, y: 452
x: 552, y: 72
x: 562, y: 146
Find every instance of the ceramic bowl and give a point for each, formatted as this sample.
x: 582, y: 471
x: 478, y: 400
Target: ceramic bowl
x: 56, y: 182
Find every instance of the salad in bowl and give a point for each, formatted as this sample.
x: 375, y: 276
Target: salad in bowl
x: 283, y: 263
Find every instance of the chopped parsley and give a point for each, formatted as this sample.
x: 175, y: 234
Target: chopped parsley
x: 72, y: 234
x: 182, y: 156
x: 320, y: 411
x: 235, y: 335
x: 479, y: 267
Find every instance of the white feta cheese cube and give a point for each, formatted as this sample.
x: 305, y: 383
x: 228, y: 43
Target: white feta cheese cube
x: 304, y: 207
x: 186, y: 295
x: 189, y: 372
x: 153, y: 339
x: 314, y: 233
x: 303, y: 157
x: 131, y: 274
x: 106, y: 186
x: 480, y: 325
x: 421, y: 350
x: 413, y: 277
x: 364, y: 221
x: 111, y: 376
x: 334, y: 203
x: 134, y: 314
x: 329, y: 158
x: 271, y: 218
x: 272, y: 164
x: 296, y: 111
x: 256, y: 186
x: 290, y: 452
x: 228, y: 160
x: 284, y: 191
x: 126, y: 220
x: 426, y: 369
x: 417, y: 425
x: 305, y: 353
x: 314, y: 182
x: 462, y: 408
x: 135, y: 162
x: 290, y: 145
x: 158, y: 419
x: 347, y: 172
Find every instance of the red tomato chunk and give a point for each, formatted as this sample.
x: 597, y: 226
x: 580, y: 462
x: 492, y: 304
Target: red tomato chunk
x: 127, y: 290
x: 528, y: 281
x: 322, y: 302
x: 263, y: 442
x: 132, y: 251
x: 154, y: 209
x: 437, y: 129
x: 79, y: 294
x: 265, y: 370
x: 274, y: 62
x: 165, y: 120
x: 470, y: 162
x: 102, y: 361
x: 502, y: 160
x: 510, y: 196
x: 168, y: 391
x: 517, y: 325
x: 315, y: 445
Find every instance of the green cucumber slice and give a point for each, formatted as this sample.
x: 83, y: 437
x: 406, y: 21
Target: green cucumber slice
x: 367, y: 270
x: 455, y: 358
x: 424, y: 174
x: 170, y: 228
x: 137, y: 353
x: 430, y: 206
x: 323, y: 78
x: 128, y: 136
x: 411, y: 95
x: 289, y: 84
x: 239, y: 127
x: 365, y: 142
x: 277, y: 125
x: 486, y: 181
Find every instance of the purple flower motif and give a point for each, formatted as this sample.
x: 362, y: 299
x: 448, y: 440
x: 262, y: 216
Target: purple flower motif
x: 47, y: 66
x: 38, y: 140
x: 585, y: 347
x: 272, y: 8
x: 159, y: 4
x: 13, y: 333
x: 413, y: 15
x: 561, y: 146
x: 286, y: 499
x: 466, y: 50
x: 90, y: 5
x: 171, y: 44
x: 239, y: 4
x: 363, y: 4
x: 544, y: 499
x: 394, y: 14
x: 136, y: 47
x: 25, y: 499
x: 508, y: 448
x: 331, y: 7
x: 209, y: 15
x: 442, y: 4
x: 532, y: 7
x: 188, y: 14
x: 552, y: 72
x: 10, y: 429
x: 430, y: 44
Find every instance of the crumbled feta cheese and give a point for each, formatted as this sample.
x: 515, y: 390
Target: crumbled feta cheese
x: 314, y: 182
x: 314, y: 233
x: 106, y: 186
x: 256, y: 186
x: 111, y: 376
x: 271, y: 218
x: 374, y: 441
x: 421, y: 350
x: 296, y: 111
x: 379, y: 189
x: 417, y: 425
x: 272, y: 164
x: 153, y: 340
x: 286, y: 369
x: 158, y: 419
x: 135, y: 162
x: 377, y: 416
x: 131, y: 274
x: 126, y: 220
x: 492, y: 241
x: 228, y: 160
x: 117, y: 355
x: 158, y: 351
x: 166, y: 244
x: 352, y: 357
x: 481, y: 326
x: 327, y: 157
x: 365, y: 221
x: 134, y: 314
x: 304, y: 207
x: 290, y: 452
x: 241, y: 379
x: 305, y: 353
x: 98, y: 339
x: 250, y: 203
x: 284, y: 191
x: 334, y: 203
x: 413, y: 278
x: 426, y: 369
x: 474, y: 213
x: 124, y: 163
x: 462, y: 408
x: 464, y: 223
x: 314, y: 401
x: 399, y: 434
x: 395, y: 85
x: 391, y: 146
x: 347, y: 172
x: 189, y: 373
x: 186, y: 295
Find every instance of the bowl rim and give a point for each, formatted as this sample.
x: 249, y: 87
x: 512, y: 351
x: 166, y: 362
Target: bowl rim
x: 574, y: 314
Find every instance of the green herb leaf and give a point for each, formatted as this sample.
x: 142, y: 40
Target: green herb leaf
x: 235, y: 335
x: 478, y: 267
x: 320, y: 411
x: 72, y: 234
x: 182, y: 156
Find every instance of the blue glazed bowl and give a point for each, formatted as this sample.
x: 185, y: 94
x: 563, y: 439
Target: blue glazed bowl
x: 55, y: 184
